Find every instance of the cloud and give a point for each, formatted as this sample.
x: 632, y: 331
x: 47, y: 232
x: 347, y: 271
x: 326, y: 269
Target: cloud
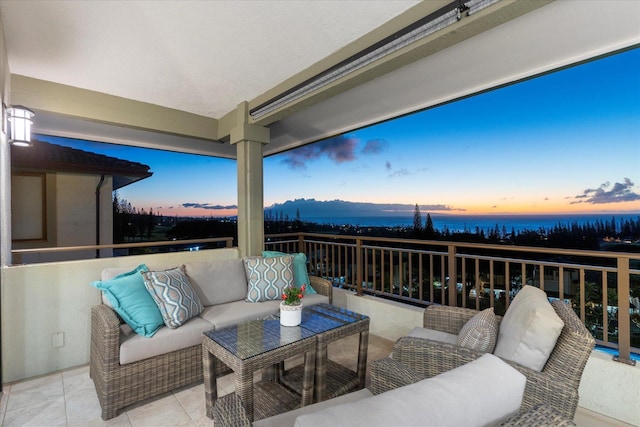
x: 311, y: 208
x: 374, y: 146
x: 399, y: 172
x: 387, y: 165
x: 621, y: 192
x: 340, y: 149
x: 207, y: 206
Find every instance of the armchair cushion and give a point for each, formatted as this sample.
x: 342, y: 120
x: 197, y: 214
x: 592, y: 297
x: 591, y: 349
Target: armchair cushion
x: 432, y: 334
x: 529, y: 329
x: 481, y: 392
x: 480, y: 332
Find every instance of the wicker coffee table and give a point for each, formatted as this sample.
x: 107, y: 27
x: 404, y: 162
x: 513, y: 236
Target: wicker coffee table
x: 331, y: 323
x: 249, y: 347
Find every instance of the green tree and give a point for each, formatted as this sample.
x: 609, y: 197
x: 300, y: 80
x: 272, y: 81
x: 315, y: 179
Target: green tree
x: 429, y: 231
x: 417, y: 221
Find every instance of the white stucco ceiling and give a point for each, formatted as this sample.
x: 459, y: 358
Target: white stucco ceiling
x: 203, y: 57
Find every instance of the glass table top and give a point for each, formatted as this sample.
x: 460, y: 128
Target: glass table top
x: 255, y: 337
x: 325, y: 317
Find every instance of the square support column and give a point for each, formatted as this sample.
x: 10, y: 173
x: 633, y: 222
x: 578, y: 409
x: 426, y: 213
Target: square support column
x: 249, y: 140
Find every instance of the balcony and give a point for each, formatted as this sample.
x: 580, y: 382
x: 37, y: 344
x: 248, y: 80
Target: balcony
x: 391, y: 280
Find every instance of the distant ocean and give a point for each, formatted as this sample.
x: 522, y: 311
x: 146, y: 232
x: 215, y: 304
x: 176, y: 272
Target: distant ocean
x: 460, y: 223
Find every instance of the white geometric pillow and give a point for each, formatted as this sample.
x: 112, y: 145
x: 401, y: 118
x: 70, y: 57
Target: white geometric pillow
x: 174, y: 295
x: 267, y: 277
x: 480, y: 332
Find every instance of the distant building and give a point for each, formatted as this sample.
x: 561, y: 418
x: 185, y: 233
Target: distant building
x: 62, y: 196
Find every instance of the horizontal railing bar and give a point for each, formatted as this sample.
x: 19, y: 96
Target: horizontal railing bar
x: 229, y: 241
x: 483, y: 246
x: 546, y: 263
x: 404, y: 250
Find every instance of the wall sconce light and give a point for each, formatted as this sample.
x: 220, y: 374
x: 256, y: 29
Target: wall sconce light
x: 20, y: 121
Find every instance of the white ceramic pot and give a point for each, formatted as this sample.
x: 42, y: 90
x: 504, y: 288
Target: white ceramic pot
x: 290, y: 315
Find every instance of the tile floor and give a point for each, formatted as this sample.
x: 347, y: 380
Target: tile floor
x: 68, y: 398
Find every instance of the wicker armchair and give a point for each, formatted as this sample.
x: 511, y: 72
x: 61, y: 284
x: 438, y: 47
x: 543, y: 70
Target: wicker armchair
x: 556, y: 385
x: 120, y: 385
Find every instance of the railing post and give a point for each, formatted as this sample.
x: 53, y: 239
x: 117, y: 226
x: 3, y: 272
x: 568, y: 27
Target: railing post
x: 624, y: 326
x: 301, y: 247
x: 453, y: 277
x: 359, y: 267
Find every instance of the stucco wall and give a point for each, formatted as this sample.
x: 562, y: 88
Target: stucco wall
x: 611, y: 388
x: 70, y: 217
x: 41, y: 300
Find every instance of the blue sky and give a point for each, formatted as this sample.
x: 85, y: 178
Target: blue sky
x: 566, y: 142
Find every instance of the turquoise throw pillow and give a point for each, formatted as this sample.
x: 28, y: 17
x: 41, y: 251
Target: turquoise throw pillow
x: 300, y: 275
x: 131, y: 300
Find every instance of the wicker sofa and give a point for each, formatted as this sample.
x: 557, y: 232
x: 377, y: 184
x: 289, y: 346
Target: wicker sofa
x: 127, y: 368
x: 556, y: 386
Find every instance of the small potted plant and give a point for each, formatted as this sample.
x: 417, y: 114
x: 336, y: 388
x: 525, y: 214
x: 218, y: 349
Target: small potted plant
x: 291, y: 305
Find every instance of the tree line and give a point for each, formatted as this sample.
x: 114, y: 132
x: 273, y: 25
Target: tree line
x: 131, y: 224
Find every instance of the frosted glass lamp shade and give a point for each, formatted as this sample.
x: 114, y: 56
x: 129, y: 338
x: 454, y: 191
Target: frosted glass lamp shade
x: 19, y: 118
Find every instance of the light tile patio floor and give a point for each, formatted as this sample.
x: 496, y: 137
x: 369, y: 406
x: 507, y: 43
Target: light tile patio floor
x: 69, y: 398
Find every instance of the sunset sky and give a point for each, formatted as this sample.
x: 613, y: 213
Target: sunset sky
x: 565, y: 142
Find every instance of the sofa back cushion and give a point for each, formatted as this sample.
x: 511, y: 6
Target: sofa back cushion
x: 529, y: 329
x: 218, y: 282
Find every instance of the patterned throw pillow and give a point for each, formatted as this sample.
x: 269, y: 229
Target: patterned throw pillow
x: 128, y: 296
x: 174, y: 295
x: 267, y: 277
x: 480, y: 332
x: 300, y: 274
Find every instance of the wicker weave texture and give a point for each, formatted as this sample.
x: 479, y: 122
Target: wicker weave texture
x: 557, y: 384
x: 539, y: 416
x: 322, y: 286
x: 118, y: 385
x: 244, y: 369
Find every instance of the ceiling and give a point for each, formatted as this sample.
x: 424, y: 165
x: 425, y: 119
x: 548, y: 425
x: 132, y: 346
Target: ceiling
x: 203, y: 57
x: 206, y: 57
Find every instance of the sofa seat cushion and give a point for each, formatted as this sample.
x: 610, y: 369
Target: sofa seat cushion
x: 135, y: 347
x: 529, y: 329
x: 232, y: 313
x: 311, y: 299
x: 218, y: 282
x: 479, y: 393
